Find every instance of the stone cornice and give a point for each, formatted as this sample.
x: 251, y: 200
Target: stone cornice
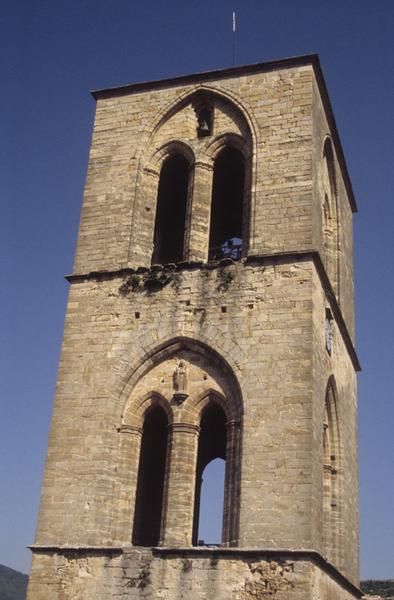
x: 257, y: 259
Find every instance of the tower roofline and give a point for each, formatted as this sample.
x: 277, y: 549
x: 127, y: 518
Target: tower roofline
x: 228, y: 72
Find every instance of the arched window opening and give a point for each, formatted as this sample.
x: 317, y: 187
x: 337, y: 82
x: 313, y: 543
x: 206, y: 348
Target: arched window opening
x: 330, y: 218
x: 330, y: 477
x: 150, y: 485
x: 212, y: 502
x: 226, y: 229
x: 171, y: 211
x: 211, y: 445
x: 204, y: 120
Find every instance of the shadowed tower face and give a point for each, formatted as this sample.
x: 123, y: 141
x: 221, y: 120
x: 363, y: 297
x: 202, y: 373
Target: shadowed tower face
x: 210, y: 316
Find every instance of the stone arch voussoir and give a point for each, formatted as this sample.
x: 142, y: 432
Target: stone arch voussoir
x: 227, y: 140
x: 228, y: 405
x: 187, y: 96
x: 148, y: 352
x: 160, y: 154
x: 136, y: 408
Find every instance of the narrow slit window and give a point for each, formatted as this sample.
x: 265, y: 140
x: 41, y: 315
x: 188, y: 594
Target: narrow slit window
x: 330, y: 218
x: 331, y: 492
x: 227, y: 207
x: 170, y: 224
x: 150, y: 485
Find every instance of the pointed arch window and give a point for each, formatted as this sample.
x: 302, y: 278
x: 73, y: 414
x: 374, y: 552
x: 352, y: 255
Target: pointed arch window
x: 226, y: 236
x: 212, y: 445
x: 171, y: 210
x: 330, y: 217
x: 331, y: 491
x: 151, y: 475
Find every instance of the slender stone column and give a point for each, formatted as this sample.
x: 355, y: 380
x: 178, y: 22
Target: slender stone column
x: 130, y: 446
x: 231, y: 491
x: 178, y: 509
x: 200, y: 212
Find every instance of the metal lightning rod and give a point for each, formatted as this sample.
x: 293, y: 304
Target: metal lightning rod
x: 234, y: 27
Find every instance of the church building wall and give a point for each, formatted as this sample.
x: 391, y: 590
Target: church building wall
x: 321, y: 133
x: 250, y: 339
x: 103, y: 344
x: 336, y: 366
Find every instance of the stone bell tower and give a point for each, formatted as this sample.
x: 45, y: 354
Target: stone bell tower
x: 210, y: 315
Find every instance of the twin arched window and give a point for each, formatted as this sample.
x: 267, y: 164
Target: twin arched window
x: 159, y: 454
x: 174, y: 199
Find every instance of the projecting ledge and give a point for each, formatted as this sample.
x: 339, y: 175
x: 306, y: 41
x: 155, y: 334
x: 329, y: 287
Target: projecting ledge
x: 214, y: 552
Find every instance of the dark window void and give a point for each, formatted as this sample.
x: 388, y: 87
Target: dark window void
x: 171, y: 211
x: 225, y: 236
x: 211, y: 445
x: 150, y: 486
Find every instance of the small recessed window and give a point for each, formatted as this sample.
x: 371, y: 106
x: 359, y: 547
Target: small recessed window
x: 137, y: 315
x: 329, y: 331
x: 204, y: 122
x: 224, y: 309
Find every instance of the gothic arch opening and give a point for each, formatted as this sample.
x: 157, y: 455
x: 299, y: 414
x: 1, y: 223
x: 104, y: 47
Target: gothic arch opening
x: 211, y: 445
x: 171, y: 210
x: 212, y: 502
x: 151, y: 475
x: 226, y: 236
x: 330, y: 217
x: 208, y: 381
x: 331, y: 464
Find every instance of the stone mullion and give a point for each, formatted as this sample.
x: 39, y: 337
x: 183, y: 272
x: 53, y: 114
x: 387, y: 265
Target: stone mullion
x: 177, y: 523
x: 142, y: 241
x: 130, y: 446
x: 200, y: 212
x: 248, y: 237
x: 230, y: 510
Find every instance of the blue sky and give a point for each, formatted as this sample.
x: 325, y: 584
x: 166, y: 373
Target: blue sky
x: 52, y: 54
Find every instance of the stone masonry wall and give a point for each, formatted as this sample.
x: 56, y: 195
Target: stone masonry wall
x: 136, y: 575
x: 339, y: 366
x: 264, y: 335
x: 252, y: 337
x: 276, y: 106
x: 321, y: 131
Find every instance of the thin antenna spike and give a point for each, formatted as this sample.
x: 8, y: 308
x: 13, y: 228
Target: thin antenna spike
x: 234, y: 28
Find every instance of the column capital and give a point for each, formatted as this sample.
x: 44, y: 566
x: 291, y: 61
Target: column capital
x: 204, y: 164
x: 130, y: 429
x: 184, y: 428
